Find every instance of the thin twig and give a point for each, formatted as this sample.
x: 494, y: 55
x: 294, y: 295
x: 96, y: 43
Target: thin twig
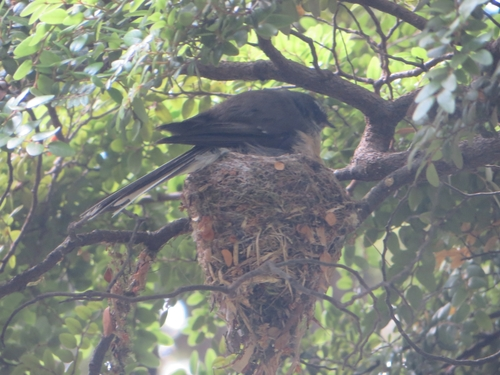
x: 130, y: 244
x: 473, y: 195
x: 11, y: 177
x: 29, y: 217
x: 310, y: 42
x: 153, y: 240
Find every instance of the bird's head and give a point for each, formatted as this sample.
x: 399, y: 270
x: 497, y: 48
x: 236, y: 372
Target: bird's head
x: 311, y: 110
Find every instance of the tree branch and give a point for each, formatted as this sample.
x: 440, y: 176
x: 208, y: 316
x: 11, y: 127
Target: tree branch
x: 294, y: 73
x: 29, y: 216
x: 11, y: 178
x: 153, y: 240
x: 475, y: 154
x: 395, y: 10
x: 99, y: 354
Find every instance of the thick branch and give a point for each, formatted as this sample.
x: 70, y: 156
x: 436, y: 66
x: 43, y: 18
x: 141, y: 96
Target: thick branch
x: 475, y: 154
x: 99, y: 354
x: 153, y: 240
x: 294, y: 73
x: 395, y: 10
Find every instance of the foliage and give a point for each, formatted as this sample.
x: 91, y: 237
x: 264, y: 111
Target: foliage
x: 83, y: 85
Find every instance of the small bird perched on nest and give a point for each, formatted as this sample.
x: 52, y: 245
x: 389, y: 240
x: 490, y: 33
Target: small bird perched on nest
x: 265, y: 122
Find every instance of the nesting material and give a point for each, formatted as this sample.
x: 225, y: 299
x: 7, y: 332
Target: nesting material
x: 248, y: 210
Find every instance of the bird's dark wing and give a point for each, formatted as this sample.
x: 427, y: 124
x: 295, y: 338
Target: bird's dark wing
x: 232, y: 135
x: 268, y: 117
x: 192, y: 160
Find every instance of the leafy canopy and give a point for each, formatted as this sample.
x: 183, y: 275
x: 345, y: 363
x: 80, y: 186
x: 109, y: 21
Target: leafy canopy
x: 83, y: 85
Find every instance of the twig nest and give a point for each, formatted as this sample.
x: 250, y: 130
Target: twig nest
x: 252, y: 211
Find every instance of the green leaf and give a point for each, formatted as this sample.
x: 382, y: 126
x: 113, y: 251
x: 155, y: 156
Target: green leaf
x: 49, y: 58
x: 37, y: 12
x: 456, y: 156
x: 97, y: 81
x: 474, y: 270
x: 470, y: 66
x: 419, y: 52
x: 74, y: 325
x: 415, y: 198
x: 468, y: 6
x: 187, y: 14
x: 374, y: 70
x: 45, y: 84
x: 78, y: 43
x: 74, y: 19
x: 116, y: 95
x: 163, y: 317
x: 195, y: 299
x: 280, y: 20
x: 194, y: 362
x: 163, y: 113
x: 54, y: 17
x: 427, y: 91
x: 423, y: 108
x: 482, y: 57
x: 23, y: 70
x: 61, y: 149
x: 10, y: 65
x: 477, y: 282
x: 187, y: 108
x: 14, y: 142
x: 34, y: 149
x: 210, y: 357
x: 199, y: 322
x: 48, y: 360
x: 229, y: 49
x: 446, y: 101
x: 314, y: 7
x: 307, y: 22
x: 65, y: 355
x: 41, y: 32
x: 437, y: 52
x: 459, y: 296
x: 458, y: 58
x: 266, y: 30
x: 68, y: 340
x: 414, y: 296
x: 25, y: 49
x: 93, y: 69
x: 83, y: 312
x: 30, y: 360
x: 134, y: 161
x: 426, y: 277
x: 432, y: 175
x: 31, y: 7
x: 39, y: 100
x: 148, y: 359
x: 133, y: 37
x: 483, y: 320
x: 240, y: 37
x: 4, y: 139
x: 117, y: 145
x: 450, y: 83
x: 140, y: 110
x: 461, y: 314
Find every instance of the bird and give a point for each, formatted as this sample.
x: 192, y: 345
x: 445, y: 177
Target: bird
x: 260, y: 122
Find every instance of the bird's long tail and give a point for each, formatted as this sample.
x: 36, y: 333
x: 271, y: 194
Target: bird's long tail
x: 193, y: 160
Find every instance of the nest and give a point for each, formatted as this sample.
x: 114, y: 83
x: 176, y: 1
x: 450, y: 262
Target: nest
x: 252, y: 211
